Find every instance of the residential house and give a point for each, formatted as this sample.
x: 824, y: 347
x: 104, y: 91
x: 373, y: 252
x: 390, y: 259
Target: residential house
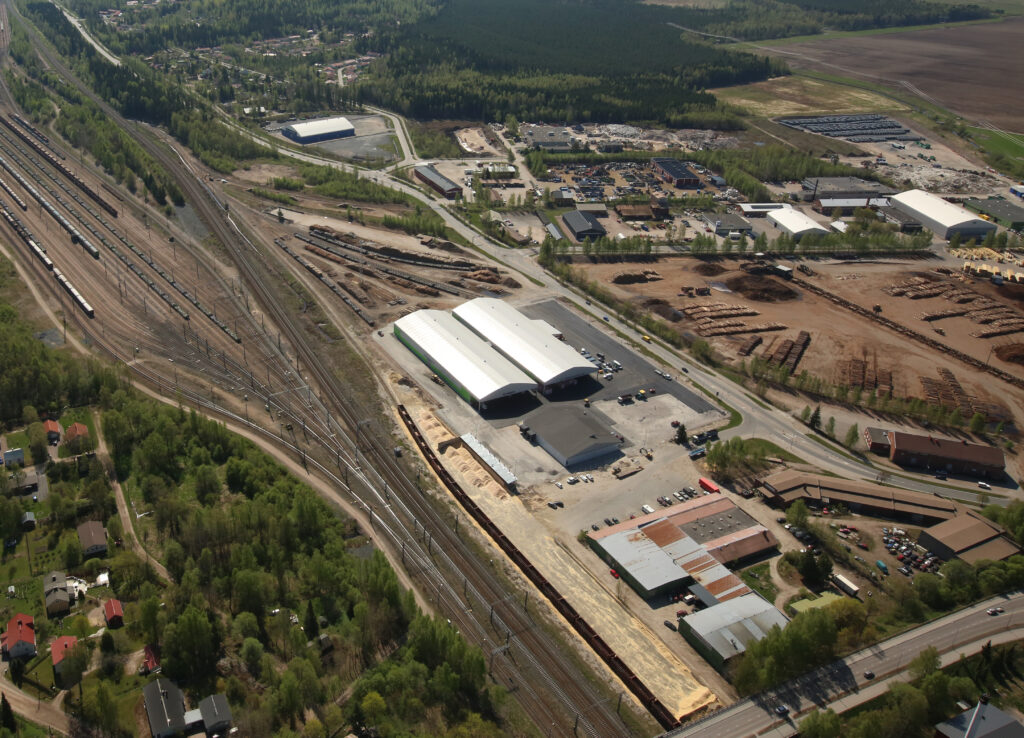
x: 59, y: 650
x: 93, y: 537
x: 165, y: 708
x: 19, y: 640
x: 113, y: 613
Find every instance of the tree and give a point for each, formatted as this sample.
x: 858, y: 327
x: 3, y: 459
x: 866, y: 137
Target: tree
x: 252, y: 655
x: 189, y: 648
x: 681, y: 435
x: 373, y: 706
x: 797, y: 514
x: 311, y: 625
x: 75, y: 662
x: 7, y: 720
x: 925, y: 663
x: 977, y: 424
x: 830, y: 427
x: 815, y: 420
x: 821, y: 724
x: 852, y: 436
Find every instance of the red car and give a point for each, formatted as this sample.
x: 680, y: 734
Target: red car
x: 613, y: 573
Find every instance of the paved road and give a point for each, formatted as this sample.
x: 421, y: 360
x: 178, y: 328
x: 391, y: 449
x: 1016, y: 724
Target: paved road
x: 829, y: 684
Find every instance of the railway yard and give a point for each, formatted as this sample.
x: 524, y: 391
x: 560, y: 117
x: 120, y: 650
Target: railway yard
x: 278, y: 320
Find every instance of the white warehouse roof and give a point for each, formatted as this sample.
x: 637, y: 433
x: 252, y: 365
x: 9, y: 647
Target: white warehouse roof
x: 730, y: 626
x: 446, y: 343
x: 319, y: 127
x: 794, y: 222
x: 527, y: 342
x: 924, y: 204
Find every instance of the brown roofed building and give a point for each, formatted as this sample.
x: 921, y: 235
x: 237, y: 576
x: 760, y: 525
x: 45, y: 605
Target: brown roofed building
x: 76, y: 431
x: 635, y: 212
x: 945, y: 454
x: 93, y: 538
x: 785, y: 487
x: 877, y: 440
x: 970, y: 537
x: 52, y: 428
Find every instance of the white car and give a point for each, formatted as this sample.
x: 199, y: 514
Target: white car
x: 984, y: 485
x: 572, y: 480
x: 558, y: 484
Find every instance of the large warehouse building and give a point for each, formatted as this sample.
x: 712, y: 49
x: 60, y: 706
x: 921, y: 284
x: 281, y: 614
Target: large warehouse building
x: 460, y: 357
x: 676, y: 173
x: 970, y: 537
x: 583, y: 225
x: 313, y: 131
x: 946, y: 454
x: 427, y: 174
x: 574, y: 439
x: 795, y: 223
x: 527, y: 343
x: 943, y: 218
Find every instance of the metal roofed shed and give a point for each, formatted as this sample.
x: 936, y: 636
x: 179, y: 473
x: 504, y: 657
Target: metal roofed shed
x: 573, y: 439
x: 795, y: 223
x: 675, y: 172
x: 722, y: 632
x: 583, y: 225
x: 761, y: 209
x: 817, y: 188
x: 436, y: 181
x: 1004, y: 212
x: 470, y: 366
x: 313, y: 131
x: 501, y: 473
x: 726, y: 223
x: 525, y: 342
x: 942, y: 218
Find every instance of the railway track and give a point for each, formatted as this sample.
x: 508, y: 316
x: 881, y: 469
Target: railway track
x: 547, y: 683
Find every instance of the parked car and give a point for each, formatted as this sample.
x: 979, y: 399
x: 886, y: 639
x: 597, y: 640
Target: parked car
x: 670, y: 625
x: 613, y: 573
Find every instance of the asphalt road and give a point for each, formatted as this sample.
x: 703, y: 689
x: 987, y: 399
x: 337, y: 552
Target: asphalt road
x: 820, y: 688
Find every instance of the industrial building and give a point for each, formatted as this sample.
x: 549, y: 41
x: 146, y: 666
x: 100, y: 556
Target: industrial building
x: 436, y: 181
x: 761, y: 209
x: 725, y: 223
x: 527, y: 343
x: 676, y: 173
x: 583, y: 225
x: 847, y: 205
x: 785, y: 487
x: 877, y: 440
x: 575, y: 439
x: 943, y: 218
x: 314, y: 131
x: 495, y: 466
x: 795, y: 223
x: 970, y: 537
x: 686, y: 546
x: 904, y: 221
x: 597, y: 209
x: 549, y: 138
x: 945, y: 454
x: 463, y: 360
x: 1002, y: 211
x: 723, y: 631
x: 819, y: 188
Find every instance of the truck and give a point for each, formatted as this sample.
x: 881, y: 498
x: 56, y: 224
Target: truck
x: 882, y: 567
x: 846, y: 585
x: 707, y: 484
x: 1017, y: 190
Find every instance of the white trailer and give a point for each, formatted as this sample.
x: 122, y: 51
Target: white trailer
x: 846, y: 585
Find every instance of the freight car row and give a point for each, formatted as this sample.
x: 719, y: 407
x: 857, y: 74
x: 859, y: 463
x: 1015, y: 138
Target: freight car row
x: 34, y: 131
x: 614, y: 662
x: 322, y: 243
x: 26, y: 236
x: 910, y: 333
x: 76, y: 236
x: 318, y: 273
x: 60, y: 167
x: 70, y: 289
x: 388, y: 253
x: 135, y: 250
x: 13, y: 195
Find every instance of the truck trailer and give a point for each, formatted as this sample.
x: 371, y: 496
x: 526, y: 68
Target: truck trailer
x: 846, y: 585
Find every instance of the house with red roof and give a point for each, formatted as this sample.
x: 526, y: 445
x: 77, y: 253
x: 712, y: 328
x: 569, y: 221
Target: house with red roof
x: 52, y: 428
x: 113, y: 613
x: 59, y: 650
x: 76, y: 431
x: 150, y: 660
x: 19, y: 640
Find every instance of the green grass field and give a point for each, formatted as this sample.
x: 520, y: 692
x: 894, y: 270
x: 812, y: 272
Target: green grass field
x: 1010, y: 145
x: 756, y: 46
x: 801, y: 94
x: 759, y: 579
x: 772, y: 449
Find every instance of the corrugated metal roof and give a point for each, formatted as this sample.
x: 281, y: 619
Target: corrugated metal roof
x: 793, y: 221
x: 730, y: 626
x: 320, y: 127
x: 536, y: 351
x: 926, y: 205
x: 488, y: 457
x: 464, y: 356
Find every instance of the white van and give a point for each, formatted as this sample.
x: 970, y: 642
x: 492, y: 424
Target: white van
x: 647, y: 509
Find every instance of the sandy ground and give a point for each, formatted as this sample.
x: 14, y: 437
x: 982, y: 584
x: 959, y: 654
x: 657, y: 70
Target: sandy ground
x: 951, y: 65
x: 837, y: 334
x: 474, y: 143
x: 955, y: 174
x: 654, y: 663
x: 803, y: 96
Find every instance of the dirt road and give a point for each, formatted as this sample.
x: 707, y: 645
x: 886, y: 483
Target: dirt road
x: 30, y: 708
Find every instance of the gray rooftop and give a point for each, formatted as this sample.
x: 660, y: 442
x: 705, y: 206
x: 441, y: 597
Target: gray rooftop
x: 570, y: 431
x: 990, y: 722
x: 836, y: 186
x: 730, y: 626
x: 716, y: 525
x: 436, y: 178
x: 488, y: 457
x: 578, y: 221
x: 1001, y: 209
